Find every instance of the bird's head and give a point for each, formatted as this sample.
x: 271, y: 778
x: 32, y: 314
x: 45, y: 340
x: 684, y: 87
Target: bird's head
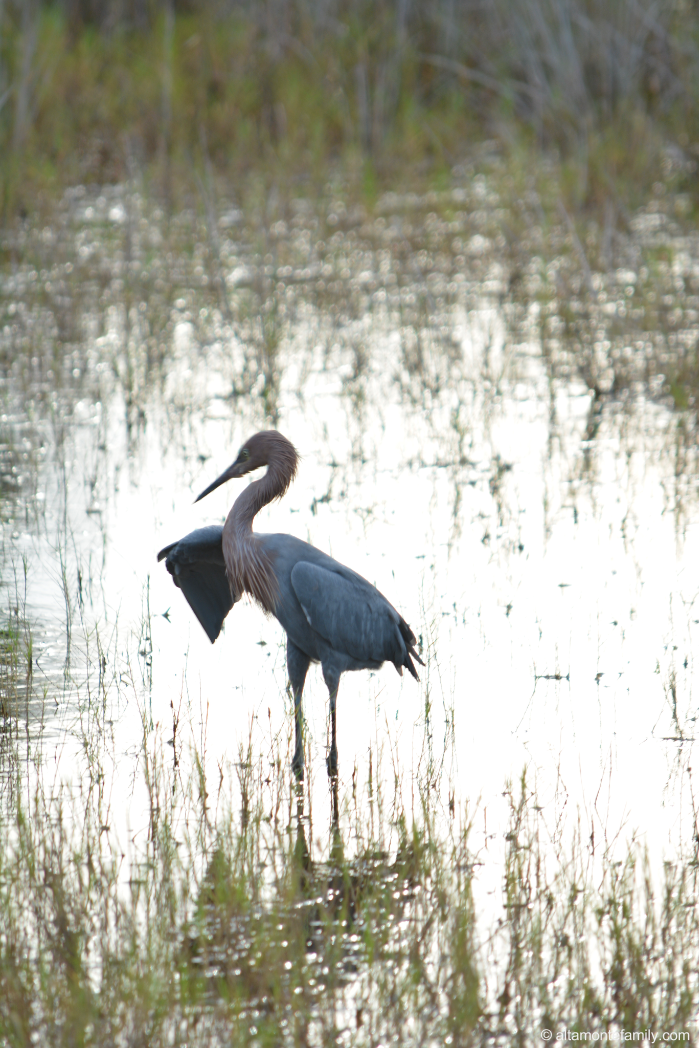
x: 265, y: 447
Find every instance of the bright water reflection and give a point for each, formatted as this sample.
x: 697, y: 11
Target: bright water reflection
x: 507, y: 477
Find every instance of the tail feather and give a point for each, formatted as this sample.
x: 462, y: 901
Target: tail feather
x: 409, y: 639
x: 412, y: 651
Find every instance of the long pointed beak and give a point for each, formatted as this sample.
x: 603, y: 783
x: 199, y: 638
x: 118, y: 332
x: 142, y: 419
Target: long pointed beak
x: 230, y: 472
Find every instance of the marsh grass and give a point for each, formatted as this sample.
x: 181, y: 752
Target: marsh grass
x: 15, y: 659
x: 236, y: 917
x: 568, y: 132
x: 225, y: 912
x: 387, y: 92
x: 106, y: 285
x: 256, y: 930
x: 236, y: 195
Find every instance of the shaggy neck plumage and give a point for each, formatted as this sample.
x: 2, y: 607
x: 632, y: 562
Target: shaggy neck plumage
x: 248, y: 565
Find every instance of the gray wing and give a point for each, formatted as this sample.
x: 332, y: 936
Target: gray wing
x: 352, y: 616
x: 196, y: 564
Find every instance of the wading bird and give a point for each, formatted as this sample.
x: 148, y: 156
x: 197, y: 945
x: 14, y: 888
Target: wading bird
x: 330, y: 614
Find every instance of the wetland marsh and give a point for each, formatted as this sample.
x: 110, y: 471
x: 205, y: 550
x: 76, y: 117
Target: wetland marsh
x: 450, y: 251
x: 512, y: 469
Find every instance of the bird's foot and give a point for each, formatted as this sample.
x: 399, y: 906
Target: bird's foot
x: 332, y: 762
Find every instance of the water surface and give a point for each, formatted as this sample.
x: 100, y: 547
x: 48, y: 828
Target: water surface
x: 487, y: 433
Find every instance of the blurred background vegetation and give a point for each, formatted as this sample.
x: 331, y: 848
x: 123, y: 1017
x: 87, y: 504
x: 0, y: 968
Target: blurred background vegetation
x: 386, y: 92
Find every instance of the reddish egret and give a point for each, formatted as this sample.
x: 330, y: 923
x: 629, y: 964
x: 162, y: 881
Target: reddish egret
x: 330, y: 614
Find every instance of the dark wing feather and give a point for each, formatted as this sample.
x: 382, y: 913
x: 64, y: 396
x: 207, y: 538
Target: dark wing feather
x: 351, y: 615
x: 196, y: 564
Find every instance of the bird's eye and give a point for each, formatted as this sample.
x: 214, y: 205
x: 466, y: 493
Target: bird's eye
x: 244, y: 454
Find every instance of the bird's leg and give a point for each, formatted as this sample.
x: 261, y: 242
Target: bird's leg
x: 297, y: 667
x: 332, y: 680
x: 298, y: 760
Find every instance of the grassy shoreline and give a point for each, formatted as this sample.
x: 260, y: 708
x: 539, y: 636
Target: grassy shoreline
x: 390, y: 95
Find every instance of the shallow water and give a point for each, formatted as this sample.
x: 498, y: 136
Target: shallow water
x: 512, y: 475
